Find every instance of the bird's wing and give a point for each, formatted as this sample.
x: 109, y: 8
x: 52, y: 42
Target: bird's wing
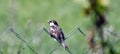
x: 61, y: 33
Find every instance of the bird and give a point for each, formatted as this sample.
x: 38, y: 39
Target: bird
x: 56, y: 33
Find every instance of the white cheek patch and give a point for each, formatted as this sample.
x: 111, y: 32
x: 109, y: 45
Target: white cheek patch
x: 51, y: 24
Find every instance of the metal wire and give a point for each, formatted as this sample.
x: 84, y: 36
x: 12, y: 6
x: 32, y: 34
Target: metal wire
x: 17, y: 35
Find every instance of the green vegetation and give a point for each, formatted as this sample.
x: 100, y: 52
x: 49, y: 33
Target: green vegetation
x: 28, y: 16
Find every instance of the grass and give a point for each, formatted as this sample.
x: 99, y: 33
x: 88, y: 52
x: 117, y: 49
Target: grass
x: 30, y: 15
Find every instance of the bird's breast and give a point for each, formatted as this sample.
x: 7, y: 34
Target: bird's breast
x: 54, y: 33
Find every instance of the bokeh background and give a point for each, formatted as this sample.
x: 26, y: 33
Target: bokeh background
x: 28, y: 16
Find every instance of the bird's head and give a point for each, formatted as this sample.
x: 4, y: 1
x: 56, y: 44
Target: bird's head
x: 52, y: 22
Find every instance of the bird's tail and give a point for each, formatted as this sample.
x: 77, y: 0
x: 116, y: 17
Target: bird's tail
x: 64, y: 45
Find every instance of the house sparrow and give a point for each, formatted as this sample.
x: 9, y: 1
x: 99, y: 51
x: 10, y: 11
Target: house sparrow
x: 56, y: 33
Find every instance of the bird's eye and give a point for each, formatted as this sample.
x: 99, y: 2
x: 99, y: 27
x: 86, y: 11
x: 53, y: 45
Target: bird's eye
x: 50, y: 21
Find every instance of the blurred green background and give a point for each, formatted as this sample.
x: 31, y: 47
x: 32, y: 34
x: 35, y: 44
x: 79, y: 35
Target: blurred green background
x: 28, y: 16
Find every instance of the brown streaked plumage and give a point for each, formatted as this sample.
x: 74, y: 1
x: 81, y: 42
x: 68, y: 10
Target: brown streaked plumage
x: 57, y: 33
